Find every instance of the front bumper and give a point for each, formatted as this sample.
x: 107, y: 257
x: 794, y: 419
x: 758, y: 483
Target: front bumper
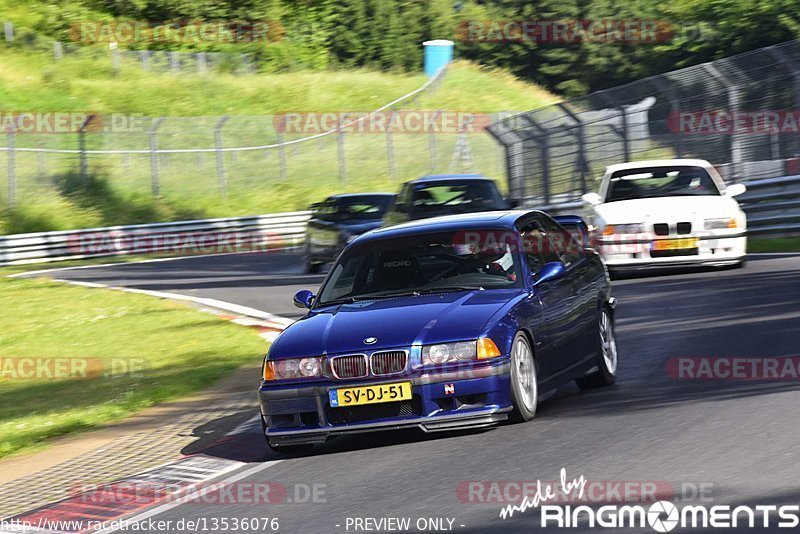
x: 442, y: 400
x: 716, y: 250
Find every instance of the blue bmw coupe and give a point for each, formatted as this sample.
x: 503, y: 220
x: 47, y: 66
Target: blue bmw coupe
x: 440, y: 324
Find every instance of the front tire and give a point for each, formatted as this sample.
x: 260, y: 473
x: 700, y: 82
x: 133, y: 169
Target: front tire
x: 606, y: 374
x: 524, y: 384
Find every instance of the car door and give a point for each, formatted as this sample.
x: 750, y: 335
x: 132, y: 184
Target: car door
x: 583, y: 298
x: 556, y: 300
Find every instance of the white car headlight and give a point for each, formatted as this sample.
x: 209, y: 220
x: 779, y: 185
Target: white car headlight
x: 628, y: 228
x: 720, y: 224
x: 480, y: 349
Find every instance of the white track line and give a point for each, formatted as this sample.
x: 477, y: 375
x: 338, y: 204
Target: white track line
x: 151, y: 260
x: 170, y: 505
x: 208, y: 302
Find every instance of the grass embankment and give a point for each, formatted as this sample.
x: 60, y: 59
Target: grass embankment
x: 123, y: 353
x: 777, y: 244
x: 49, y: 198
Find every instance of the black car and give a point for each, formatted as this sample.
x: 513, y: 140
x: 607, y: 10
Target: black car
x: 446, y: 194
x: 338, y: 220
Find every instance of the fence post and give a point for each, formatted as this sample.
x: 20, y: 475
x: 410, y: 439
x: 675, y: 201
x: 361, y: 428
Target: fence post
x: 83, y: 157
x: 674, y: 108
x: 733, y: 104
x: 8, y: 28
x: 390, y: 148
x: 12, y: 166
x: 793, y: 66
x: 583, y: 165
x: 432, y: 143
x: 341, y: 154
x: 544, y: 148
x: 223, y: 184
x: 281, y: 154
x: 152, y: 137
x: 58, y: 50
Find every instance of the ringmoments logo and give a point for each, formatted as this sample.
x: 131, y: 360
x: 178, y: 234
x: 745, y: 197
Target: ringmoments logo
x: 660, y: 516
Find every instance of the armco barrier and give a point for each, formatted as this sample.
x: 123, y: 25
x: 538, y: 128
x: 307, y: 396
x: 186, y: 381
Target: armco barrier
x: 231, y: 234
x: 772, y: 207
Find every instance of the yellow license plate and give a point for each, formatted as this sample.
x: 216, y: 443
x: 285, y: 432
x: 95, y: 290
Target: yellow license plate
x: 675, y: 244
x: 370, y: 394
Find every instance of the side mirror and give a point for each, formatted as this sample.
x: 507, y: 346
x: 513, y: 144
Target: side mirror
x: 549, y: 272
x: 512, y: 203
x: 735, y: 190
x: 592, y: 198
x: 303, y: 299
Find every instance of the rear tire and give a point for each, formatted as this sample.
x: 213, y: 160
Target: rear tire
x: 311, y: 267
x: 606, y: 374
x: 524, y: 384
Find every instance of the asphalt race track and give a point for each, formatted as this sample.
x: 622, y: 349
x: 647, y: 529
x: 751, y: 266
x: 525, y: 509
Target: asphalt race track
x: 738, y: 440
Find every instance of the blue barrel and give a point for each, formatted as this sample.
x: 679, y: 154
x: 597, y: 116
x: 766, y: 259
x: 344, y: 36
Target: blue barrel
x: 438, y: 53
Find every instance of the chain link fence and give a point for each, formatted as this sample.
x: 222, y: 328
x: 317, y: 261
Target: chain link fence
x: 192, y: 157
x: 740, y: 113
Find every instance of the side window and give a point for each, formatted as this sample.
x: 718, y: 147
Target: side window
x: 536, y: 247
x: 562, y: 242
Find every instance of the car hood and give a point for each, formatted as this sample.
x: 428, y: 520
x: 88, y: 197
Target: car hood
x: 667, y: 209
x: 395, y: 322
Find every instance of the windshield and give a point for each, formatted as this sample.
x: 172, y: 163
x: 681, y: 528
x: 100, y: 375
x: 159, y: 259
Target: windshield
x: 475, y: 195
x: 655, y: 182
x: 419, y: 264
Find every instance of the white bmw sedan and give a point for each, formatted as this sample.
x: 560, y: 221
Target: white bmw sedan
x: 667, y: 213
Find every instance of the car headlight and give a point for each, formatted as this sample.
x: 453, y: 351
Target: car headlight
x: 292, y: 369
x: 629, y: 228
x: 720, y: 224
x: 442, y: 353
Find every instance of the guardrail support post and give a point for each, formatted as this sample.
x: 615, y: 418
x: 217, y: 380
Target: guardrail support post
x: 221, y: 178
x: 152, y: 138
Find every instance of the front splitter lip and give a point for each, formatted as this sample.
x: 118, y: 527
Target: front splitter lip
x: 654, y: 265
x: 473, y: 419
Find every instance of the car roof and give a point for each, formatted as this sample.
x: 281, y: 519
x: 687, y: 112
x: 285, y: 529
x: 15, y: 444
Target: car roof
x: 501, y: 220
x: 356, y: 195
x: 449, y: 178
x: 656, y: 163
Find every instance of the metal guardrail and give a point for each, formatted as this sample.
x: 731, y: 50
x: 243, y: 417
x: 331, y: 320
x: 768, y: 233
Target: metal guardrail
x: 209, y: 236
x: 772, y: 207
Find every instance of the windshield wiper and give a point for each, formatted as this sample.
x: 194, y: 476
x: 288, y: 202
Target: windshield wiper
x: 446, y: 289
